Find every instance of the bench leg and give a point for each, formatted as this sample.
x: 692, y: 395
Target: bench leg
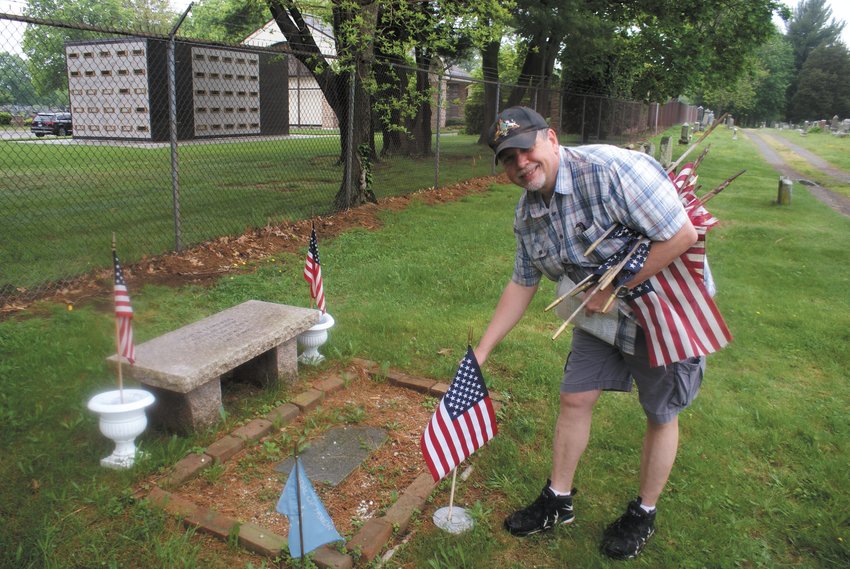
x: 187, y: 412
x: 261, y: 371
x: 287, y: 360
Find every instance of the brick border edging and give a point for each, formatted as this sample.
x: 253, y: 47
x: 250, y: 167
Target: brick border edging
x: 366, y: 543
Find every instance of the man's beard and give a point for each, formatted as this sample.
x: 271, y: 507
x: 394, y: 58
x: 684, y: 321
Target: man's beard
x: 536, y: 183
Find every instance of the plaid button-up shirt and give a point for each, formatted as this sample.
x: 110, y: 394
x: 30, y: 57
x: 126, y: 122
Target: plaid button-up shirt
x: 597, y: 186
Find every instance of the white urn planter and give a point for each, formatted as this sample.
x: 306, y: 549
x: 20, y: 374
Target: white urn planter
x: 121, y: 422
x: 313, y: 339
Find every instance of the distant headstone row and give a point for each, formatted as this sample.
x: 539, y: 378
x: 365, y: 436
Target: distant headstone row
x: 836, y: 126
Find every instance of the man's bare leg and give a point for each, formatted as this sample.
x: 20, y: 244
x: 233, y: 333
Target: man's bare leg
x: 572, y: 431
x: 659, y: 452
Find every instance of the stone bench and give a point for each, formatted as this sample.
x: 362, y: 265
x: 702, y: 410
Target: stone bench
x: 253, y: 341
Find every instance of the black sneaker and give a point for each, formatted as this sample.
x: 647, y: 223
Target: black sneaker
x: 543, y: 514
x: 625, y: 538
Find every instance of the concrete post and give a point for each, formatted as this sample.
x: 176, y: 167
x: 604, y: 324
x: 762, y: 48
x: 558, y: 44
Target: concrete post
x: 783, y: 196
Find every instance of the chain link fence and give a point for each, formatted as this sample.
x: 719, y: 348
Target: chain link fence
x: 169, y: 143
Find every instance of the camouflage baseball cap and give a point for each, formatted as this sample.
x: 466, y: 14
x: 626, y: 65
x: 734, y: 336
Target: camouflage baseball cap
x: 515, y: 127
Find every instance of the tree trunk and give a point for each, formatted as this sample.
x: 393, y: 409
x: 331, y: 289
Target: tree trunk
x: 335, y: 85
x: 530, y: 66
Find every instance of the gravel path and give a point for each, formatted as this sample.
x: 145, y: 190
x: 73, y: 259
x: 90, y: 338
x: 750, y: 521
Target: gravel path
x: 836, y: 201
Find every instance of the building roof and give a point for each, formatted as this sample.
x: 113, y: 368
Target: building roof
x: 270, y: 35
x: 456, y: 74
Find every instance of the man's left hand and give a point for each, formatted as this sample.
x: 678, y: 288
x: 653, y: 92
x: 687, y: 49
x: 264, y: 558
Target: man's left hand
x: 597, y: 302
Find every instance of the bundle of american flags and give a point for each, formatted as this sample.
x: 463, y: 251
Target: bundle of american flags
x: 674, y: 307
x: 678, y: 315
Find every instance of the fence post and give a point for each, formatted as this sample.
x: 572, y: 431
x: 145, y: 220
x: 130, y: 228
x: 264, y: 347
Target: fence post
x: 172, y: 127
x: 498, y: 99
x: 350, y: 137
x: 437, y: 149
x: 583, y: 111
x: 561, y: 110
x: 599, y: 121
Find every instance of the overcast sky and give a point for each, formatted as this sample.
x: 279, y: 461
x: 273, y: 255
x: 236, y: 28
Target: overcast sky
x: 10, y: 32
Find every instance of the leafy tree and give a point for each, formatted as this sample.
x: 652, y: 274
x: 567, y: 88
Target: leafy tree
x: 487, y: 30
x: 389, y: 46
x: 758, y: 93
x: 229, y: 21
x: 15, y: 82
x: 823, y: 88
x: 776, y: 57
x: 406, y: 48
x: 354, y: 23
x: 155, y: 16
x: 811, y: 25
x: 656, y: 49
x: 426, y: 36
x: 542, y: 27
x: 44, y: 46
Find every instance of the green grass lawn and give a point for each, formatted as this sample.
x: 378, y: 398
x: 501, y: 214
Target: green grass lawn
x: 835, y: 150
x: 761, y: 477
x: 60, y: 203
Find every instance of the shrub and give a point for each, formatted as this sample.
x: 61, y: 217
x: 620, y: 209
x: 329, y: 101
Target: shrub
x: 5, y: 118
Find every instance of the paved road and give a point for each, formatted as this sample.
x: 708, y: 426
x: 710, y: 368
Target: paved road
x: 838, y: 174
x: 838, y: 202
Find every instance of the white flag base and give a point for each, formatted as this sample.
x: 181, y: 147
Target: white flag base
x: 459, y: 522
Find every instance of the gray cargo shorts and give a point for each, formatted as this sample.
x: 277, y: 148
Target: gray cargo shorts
x: 663, y: 391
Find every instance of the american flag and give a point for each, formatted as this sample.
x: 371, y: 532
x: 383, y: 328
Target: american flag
x: 313, y: 272
x: 678, y: 316
x: 686, y: 176
x: 123, y: 313
x: 685, y: 181
x: 463, y: 421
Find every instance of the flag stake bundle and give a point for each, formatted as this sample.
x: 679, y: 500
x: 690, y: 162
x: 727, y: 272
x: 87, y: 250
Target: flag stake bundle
x: 123, y: 318
x: 313, y: 273
x: 463, y: 421
x: 310, y: 526
x: 674, y: 308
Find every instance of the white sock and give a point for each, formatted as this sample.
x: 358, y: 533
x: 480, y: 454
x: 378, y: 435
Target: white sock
x: 556, y: 493
x: 647, y: 509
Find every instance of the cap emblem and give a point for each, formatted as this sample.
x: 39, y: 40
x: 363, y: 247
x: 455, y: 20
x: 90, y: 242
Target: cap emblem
x: 504, y: 128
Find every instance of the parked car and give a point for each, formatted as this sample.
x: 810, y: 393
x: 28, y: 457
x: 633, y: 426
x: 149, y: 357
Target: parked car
x: 58, y: 124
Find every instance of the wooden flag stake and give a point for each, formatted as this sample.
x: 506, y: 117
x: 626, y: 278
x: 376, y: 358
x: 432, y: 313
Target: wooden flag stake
x: 573, y: 315
x: 452, y: 493
x: 298, y: 500
x: 596, y: 243
x: 118, y: 340
x: 453, y: 520
x: 720, y: 188
x: 701, y: 156
x: 120, y: 373
x: 606, y: 279
x: 582, y: 285
x: 610, y: 275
